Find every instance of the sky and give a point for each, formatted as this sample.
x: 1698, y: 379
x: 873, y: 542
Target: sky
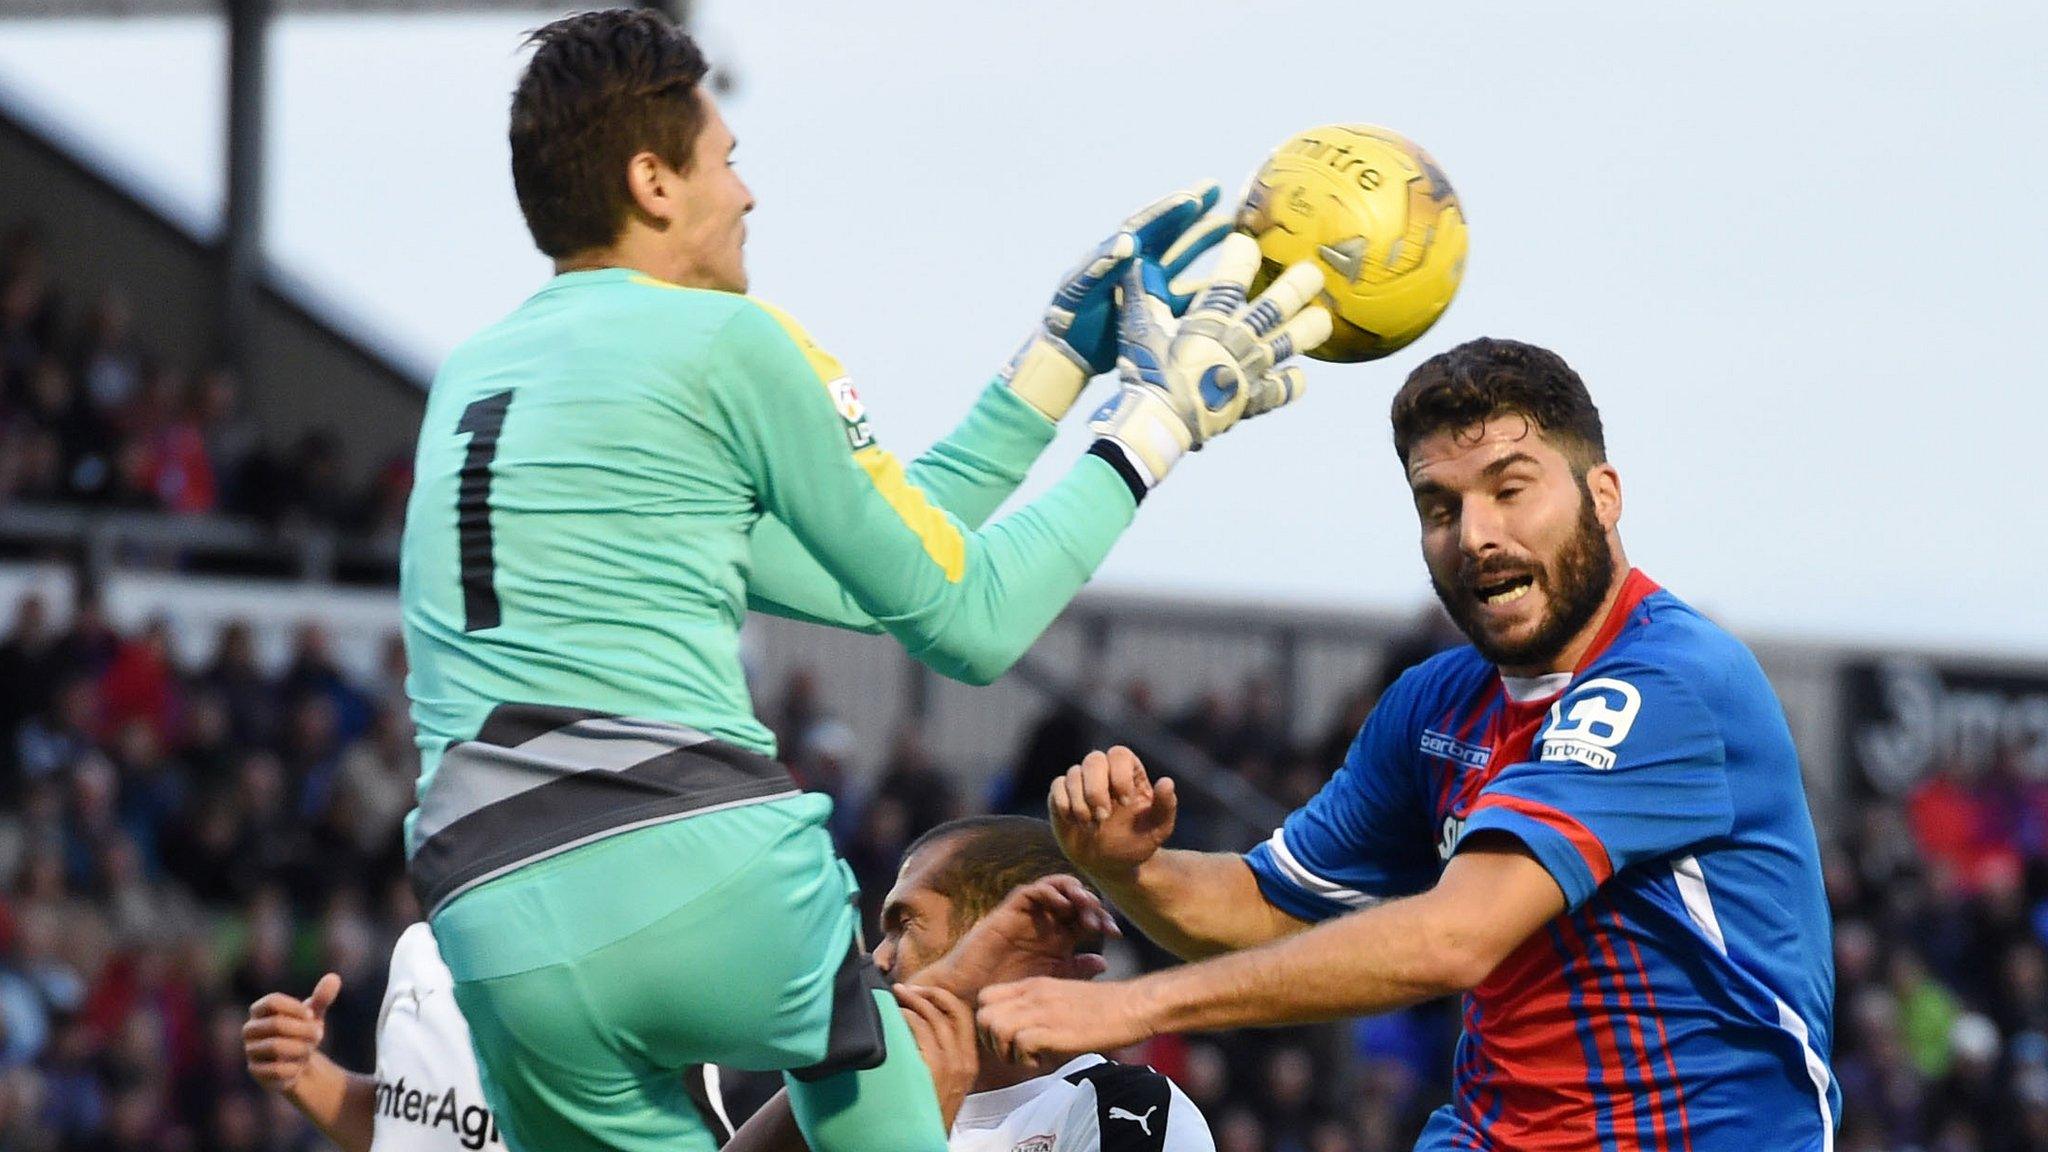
x: 1795, y: 249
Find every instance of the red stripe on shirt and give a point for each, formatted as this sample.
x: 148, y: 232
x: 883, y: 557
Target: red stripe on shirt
x: 1663, y: 1041
x: 1632, y: 1028
x: 1528, y: 1039
x: 1621, y: 1112
x: 1582, y: 839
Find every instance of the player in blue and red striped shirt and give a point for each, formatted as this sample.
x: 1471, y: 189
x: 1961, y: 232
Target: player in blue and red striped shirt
x: 1589, y: 821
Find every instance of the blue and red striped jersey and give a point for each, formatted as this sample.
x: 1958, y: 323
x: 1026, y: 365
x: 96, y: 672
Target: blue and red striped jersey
x: 1683, y: 1002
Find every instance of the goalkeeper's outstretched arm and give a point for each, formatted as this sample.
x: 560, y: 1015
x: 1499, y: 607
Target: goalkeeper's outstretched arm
x: 968, y: 603
x: 973, y: 470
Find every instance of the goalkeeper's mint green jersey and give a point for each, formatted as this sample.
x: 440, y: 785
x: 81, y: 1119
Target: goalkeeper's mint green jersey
x: 608, y: 478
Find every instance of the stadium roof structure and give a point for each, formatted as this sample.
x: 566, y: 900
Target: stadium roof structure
x: 247, y: 68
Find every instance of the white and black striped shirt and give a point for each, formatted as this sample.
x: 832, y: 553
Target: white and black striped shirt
x: 1089, y: 1105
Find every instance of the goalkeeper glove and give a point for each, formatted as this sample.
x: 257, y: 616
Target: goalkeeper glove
x: 1077, y: 338
x: 1186, y: 382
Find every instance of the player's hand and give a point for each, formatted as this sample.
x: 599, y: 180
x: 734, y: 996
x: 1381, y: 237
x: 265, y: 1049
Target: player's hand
x: 1036, y: 930
x: 943, y: 1026
x: 1076, y: 340
x: 283, y: 1032
x: 1040, y: 1019
x: 1109, y: 815
x: 1188, y: 381
x: 1172, y: 232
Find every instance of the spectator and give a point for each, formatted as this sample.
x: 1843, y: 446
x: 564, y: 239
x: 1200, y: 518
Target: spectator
x: 823, y: 765
x: 28, y: 312
x: 52, y: 407
x: 1207, y: 723
x: 206, y: 754
x: 911, y: 779
x: 248, y: 695
x: 2020, y: 1004
x: 140, y: 683
x: 314, y: 673
x: 383, y: 514
x: 89, y: 644
x: 1288, y: 1080
x: 74, y: 1096
x: 109, y: 364
x: 152, y: 790
x: 1948, y: 823
x: 377, y: 774
x: 387, y: 686
x: 1057, y: 742
x: 31, y: 463
x: 310, y: 748
x: 24, y: 1021
x: 176, y: 467
x: 1259, y: 731
x: 27, y: 666
x: 314, y: 485
x: 800, y: 708
x: 51, y: 743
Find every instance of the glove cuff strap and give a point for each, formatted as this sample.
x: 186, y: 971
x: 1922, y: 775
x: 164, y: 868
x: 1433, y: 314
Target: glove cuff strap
x: 1127, y: 465
x: 1147, y: 431
x: 1046, y: 377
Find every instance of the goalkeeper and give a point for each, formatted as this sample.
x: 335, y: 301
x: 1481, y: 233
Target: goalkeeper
x: 621, y: 879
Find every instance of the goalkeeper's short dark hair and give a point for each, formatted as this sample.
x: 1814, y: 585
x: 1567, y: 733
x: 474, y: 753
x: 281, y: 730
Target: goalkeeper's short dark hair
x: 990, y: 855
x: 601, y: 87
x: 1484, y: 378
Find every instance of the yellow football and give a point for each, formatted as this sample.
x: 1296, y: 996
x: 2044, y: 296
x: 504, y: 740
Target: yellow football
x: 1377, y: 214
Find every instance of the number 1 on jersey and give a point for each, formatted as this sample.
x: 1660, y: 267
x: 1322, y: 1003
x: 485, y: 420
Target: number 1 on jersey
x: 482, y: 421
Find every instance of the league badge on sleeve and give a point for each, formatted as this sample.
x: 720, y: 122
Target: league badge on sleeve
x: 1587, y: 724
x: 853, y: 412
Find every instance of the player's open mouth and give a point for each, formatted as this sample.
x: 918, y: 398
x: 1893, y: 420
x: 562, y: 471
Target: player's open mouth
x: 1501, y: 592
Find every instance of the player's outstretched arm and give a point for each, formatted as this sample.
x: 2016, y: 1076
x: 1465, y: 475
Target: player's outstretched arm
x: 1113, y: 820
x: 1493, y: 896
x: 982, y: 461
x: 281, y: 1043
x: 965, y: 603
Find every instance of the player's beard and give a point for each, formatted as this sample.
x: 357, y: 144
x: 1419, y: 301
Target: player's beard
x: 1574, y: 585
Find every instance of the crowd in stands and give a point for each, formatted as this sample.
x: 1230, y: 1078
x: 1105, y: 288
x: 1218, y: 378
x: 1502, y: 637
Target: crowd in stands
x: 177, y: 840
x: 91, y: 416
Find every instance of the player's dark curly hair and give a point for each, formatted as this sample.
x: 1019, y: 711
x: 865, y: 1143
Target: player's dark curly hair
x: 1484, y: 378
x: 601, y: 88
x: 990, y: 856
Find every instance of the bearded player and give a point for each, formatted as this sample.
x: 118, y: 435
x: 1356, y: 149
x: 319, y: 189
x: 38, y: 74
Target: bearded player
x: 1589, y: 822
x: 622, y: 880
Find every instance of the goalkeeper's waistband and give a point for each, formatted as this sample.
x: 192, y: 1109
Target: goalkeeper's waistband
x: 539, y: 780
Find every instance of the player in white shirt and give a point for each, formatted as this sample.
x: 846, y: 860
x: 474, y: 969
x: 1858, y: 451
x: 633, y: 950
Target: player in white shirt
x: 977, y: 902
x: 424, y: 1096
